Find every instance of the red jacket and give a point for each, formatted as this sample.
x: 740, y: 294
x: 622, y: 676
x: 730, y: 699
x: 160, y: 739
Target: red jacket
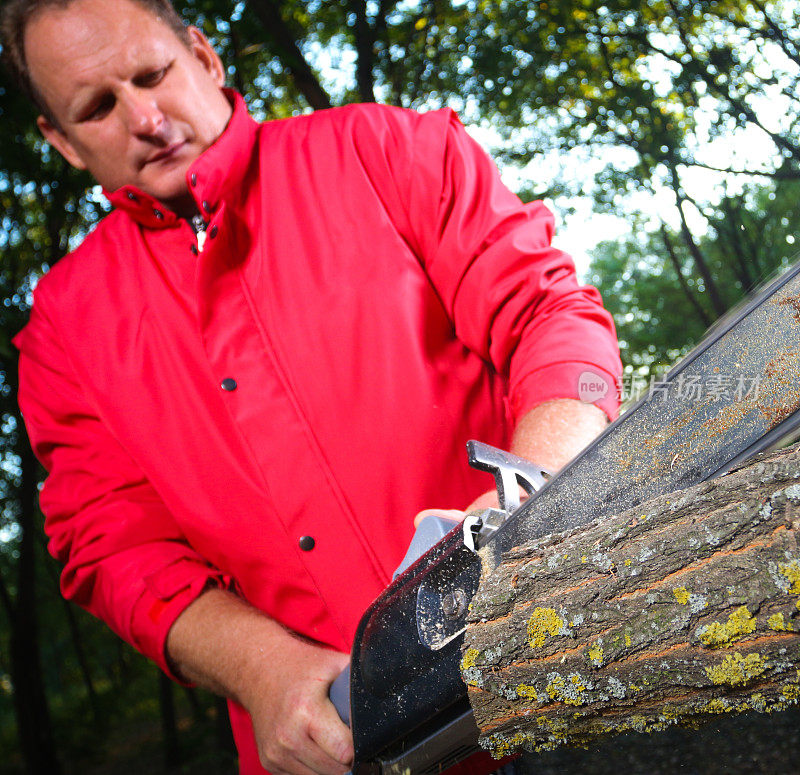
x: 377, y: 295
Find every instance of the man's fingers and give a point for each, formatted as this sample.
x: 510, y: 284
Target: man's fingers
x: 291, y: 766
x: 304, y: 756
x: 316, y: 755
x: 452, y: 514
x: 332, y: 736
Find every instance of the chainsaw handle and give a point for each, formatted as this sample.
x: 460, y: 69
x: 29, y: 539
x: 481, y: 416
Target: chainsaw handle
x: 339, y: 695
x: 429, y: 532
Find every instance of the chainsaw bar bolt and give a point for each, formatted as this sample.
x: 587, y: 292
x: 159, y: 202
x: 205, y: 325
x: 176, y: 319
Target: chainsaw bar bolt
x: 454, y: 604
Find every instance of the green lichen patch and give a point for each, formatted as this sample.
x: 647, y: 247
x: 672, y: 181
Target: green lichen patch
x: 736, y: 670
x: 717, y: 705
x: 719, y: 635
x: 500, y: 744
x: 791, y: 692
x: 543, y: 622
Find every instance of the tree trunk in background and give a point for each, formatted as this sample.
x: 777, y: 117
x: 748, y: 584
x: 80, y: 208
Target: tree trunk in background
x: 30, y: 702
x: 224, y: 733
x: 686, y: 606
x: 169, y: 727
x: 77, y: 640
x: 718, y: 305
x: 365, y: 46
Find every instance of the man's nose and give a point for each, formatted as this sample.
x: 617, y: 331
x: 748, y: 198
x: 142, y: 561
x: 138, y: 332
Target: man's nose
x: 143, y: 115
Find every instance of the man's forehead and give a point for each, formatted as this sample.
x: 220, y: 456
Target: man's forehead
x: 76, y: 45
x: 88, y: 17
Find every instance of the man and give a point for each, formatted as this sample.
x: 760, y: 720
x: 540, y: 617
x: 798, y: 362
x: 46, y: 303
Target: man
x: 256, y: 370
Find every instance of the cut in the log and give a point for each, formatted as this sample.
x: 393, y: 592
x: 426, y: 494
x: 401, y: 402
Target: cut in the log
x: 687, y: 606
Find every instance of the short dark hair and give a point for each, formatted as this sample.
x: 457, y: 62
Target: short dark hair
x: 14, y: 19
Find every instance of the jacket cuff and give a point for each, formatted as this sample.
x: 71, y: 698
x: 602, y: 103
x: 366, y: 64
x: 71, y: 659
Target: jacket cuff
x: 581, y: 381
x: 167, y: 593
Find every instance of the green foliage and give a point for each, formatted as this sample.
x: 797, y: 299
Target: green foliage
x: 750, y: 237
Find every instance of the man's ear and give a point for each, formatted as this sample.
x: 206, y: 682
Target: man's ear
x: 59, y: 141
x: 204, y: 52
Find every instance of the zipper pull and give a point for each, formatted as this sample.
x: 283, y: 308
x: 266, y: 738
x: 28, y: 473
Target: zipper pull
x: 199, y: 226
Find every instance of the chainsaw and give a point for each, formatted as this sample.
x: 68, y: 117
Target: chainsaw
x: 734, y: 395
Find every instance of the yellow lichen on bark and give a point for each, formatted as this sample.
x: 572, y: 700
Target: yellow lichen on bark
x: 543, y: 622
x: 735, y: 669
x: 717, y: 635
x: 791, y: 570
x: 468, y: 660
x: 681, y: 595
x: 595, y: 654
x: 526, y: 691
x: 569, y: 692
x: 778, y: 623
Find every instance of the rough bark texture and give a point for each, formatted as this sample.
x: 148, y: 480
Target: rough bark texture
x: 684, y: 607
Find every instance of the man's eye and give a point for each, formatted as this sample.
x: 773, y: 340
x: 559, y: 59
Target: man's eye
x: 99, y: 109
x: 152, y: 78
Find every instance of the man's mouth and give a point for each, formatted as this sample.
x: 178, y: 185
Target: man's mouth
x: 166, y: 153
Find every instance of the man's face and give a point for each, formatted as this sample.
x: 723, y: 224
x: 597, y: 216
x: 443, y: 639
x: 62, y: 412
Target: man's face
x: 134, y: 105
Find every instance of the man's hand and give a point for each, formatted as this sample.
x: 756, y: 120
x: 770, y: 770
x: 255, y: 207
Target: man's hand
x: 297, y: 728
x: 222, y: 643
x: 550, y: 435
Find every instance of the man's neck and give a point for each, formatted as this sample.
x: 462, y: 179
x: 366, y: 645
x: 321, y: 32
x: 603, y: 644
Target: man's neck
x: 183, y: 206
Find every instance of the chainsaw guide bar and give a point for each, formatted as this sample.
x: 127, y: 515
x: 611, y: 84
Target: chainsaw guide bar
x: 409, y: 709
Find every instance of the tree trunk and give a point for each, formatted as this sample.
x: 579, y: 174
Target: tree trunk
x: 686, y: 606
x: 365, y: 47
x: 77, y: 640
x: 169, y: 726
x: 30, y: 700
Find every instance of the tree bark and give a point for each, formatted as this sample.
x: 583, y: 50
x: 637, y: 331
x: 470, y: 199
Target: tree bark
x: 682, y: 608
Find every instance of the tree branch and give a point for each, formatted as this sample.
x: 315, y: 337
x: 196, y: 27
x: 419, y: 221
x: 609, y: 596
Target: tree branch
x: 781, y: 173
x: 717, y: 304
x: 268, y: 11
x: 676, y: 265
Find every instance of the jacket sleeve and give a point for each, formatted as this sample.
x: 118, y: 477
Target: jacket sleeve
x: 513, y: 298
x: 124, y: 557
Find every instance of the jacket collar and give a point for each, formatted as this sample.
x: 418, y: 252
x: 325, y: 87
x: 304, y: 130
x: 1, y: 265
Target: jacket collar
x: 218, y: 170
